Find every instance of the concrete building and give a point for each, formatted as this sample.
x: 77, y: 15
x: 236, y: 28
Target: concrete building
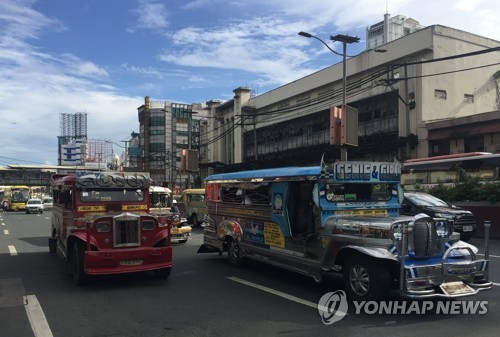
x: 392, y: 28
x: 409, y: 99
x: 164, y: 132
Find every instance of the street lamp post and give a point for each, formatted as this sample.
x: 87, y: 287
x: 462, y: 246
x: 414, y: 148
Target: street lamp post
x: 345, y: 39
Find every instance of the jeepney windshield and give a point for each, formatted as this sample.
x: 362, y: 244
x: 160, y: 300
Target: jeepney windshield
x: 358, y: 192
x: 106, y: 195
x: 161, y: 200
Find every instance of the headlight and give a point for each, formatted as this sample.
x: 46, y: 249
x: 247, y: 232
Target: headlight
x: 444, y: 228
x: 148, y: 225
x: 397, y: 231
x: 103, y: 227
x: 444, y: 215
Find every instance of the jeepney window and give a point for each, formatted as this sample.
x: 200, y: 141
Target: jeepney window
x: 107, y: 195
x: 358, y: 192
x: 196, y: 197
x: 160, y: 200
x: 232, y: 194
x: 257, y: 194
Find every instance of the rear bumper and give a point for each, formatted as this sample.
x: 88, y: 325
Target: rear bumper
x: 127, y: 260
x: 34, y: 210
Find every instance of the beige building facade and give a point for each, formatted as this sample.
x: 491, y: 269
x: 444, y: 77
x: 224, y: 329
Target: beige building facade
x: 409, y: 96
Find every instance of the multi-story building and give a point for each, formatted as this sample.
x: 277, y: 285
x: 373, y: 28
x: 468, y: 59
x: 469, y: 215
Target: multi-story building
x: 166, y: 129
x: 410, y: 98
x: 390, y: 29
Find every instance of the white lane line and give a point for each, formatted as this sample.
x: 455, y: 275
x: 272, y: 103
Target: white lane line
x: 281, y: 294
x: 37, y: 319
x: 3, y: 223
x: 6, y: 232
x: 490, y: 255
x: 496, y: 284
x: 12, y: 250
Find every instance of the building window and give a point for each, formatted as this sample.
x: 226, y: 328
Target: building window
x: 468, y: 98
x: 439, y: 94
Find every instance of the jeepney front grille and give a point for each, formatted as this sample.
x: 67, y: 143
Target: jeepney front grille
x: 126, y: 233
x: 424, y: 237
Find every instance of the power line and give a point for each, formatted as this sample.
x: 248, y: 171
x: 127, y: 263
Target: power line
x: 26, y: 161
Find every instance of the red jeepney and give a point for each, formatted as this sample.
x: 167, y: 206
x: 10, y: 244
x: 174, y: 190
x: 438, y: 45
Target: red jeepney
x: 101, y: 225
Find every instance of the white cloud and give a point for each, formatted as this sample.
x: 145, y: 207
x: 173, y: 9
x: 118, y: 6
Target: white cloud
x: 151, y: 15
x: 35, y: 87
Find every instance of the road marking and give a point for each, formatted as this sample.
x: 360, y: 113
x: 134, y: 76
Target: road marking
x: 281, y: 294
x: 3, y: 223
x: 12, y: 250
x: 37, y: 319
x: 6, y: 232
x: 496, y: 284
x: 490, y: 255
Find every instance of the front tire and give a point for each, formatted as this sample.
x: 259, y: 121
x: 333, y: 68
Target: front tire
x: 77, y: 264
x: 365, y: 279
x: 466, y: 237
x: 234, y: 253
x: 194, y: 220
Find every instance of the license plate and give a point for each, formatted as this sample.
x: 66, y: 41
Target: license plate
x: 467, y: 228
x: 131, y: 262
x: 175, y: 230
x: 456, y: 288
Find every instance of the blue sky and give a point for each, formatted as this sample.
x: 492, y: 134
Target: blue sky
x: 103, y: 56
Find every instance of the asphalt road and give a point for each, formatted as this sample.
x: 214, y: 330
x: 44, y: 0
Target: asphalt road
x: 204, y: 296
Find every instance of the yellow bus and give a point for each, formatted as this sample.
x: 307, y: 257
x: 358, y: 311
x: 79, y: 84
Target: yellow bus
x: 15, y: 197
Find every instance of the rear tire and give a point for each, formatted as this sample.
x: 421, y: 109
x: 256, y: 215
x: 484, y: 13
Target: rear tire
x: 365, y: 279
x: 234, y: 253
x: 52, y: 245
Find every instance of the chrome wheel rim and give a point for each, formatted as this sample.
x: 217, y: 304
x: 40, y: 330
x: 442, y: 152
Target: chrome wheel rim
x: 235, y: 250
x: 359, y: 280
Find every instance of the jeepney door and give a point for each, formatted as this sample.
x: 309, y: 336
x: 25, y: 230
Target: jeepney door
x: 279, y: 195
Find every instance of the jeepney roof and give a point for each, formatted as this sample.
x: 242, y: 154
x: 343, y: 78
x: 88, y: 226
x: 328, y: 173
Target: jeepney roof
x: 193, y: 191
x: 102, y: 179
x: 342, y: 171
x: 159, y: 189
x: 267, y: 174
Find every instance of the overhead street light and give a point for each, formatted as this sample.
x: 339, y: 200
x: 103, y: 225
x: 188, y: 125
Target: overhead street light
x: 305, y: 34
x: 345, y: 39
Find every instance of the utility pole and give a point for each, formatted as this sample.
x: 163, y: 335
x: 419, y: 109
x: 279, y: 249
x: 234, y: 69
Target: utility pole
x: 345, y: 39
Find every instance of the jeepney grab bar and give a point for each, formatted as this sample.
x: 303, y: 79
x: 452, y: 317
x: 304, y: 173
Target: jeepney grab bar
x: 487, y: 225
x: 404, y: 238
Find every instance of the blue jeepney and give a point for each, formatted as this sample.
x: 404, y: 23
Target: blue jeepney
x: 340, y: 218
